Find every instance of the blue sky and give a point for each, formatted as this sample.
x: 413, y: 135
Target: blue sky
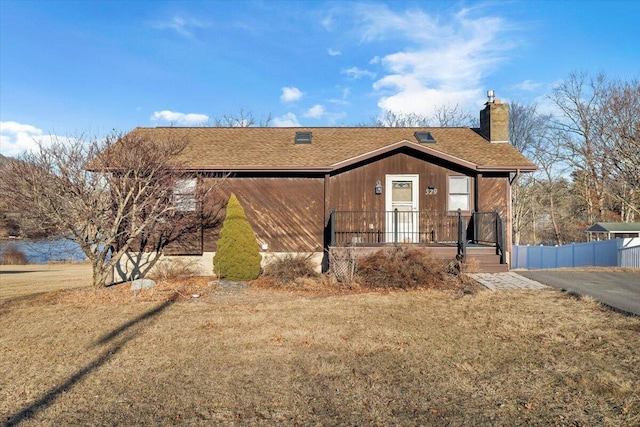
x: 92, y: 66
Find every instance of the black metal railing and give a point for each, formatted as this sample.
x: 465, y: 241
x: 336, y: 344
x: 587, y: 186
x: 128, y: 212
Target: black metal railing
x: 378, y: 227
x: 484, y: 227
x: 366, y: 228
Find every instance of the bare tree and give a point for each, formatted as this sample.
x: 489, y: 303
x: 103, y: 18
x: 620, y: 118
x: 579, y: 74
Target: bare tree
x: 446, y: 116
x: 528, y: 132
x: 242, y: 118
x: 599, y: 127
x: 554, y: 190
x: 580, y: 131
x: 443, y: 116
x: 621, y: 131
x: 110, y: 196
x: 392, y: 119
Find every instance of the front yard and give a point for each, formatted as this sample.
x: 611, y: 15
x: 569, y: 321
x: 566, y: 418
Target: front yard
x: 264, y: 357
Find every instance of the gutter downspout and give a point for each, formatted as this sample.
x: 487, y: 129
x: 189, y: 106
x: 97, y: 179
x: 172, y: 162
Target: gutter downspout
x: 515, y: 176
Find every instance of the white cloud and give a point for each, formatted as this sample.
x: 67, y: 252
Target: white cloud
x: 442, y: 62
x: 356, y: 73
x: 338, y: 101
x: 528, y: 86
x: 327, y: 23
x: 290, y: 94
x: 333, y: 52
x: 315, y: 112
x: 544, y: 105
x: 16, y: 138
x: 342, y: 101
x: 174, y: 117
x: 287, y: 120
x: 182, y: 26
x: 334, y: 118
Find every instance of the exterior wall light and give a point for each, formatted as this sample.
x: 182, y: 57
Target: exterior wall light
x: 431, y: 189
x: 378, y: 187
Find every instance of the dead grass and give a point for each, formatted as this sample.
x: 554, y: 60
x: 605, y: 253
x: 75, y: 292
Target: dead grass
x: 264, y: 357
x: 22, y: 280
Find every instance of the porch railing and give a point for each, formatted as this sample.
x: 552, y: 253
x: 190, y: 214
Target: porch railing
x: 367, y: 228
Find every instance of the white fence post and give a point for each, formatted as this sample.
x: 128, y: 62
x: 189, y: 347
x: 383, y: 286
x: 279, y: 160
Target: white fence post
x: 629, y: 252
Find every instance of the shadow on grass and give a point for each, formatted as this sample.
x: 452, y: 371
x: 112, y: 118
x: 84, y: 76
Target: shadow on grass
x: 122, y: 328
x: 50, y: 396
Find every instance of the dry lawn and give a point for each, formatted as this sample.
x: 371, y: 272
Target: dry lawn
x: 265, y: 357
x: 23, y: 280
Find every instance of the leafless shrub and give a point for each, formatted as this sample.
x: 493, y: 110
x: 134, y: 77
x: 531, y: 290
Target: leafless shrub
x: 401, y: 268
x: 288, y: 268
x: 175, y: 268
x: 13, y: 256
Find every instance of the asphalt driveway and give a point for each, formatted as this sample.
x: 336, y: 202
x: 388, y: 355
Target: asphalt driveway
x: 617, y: 289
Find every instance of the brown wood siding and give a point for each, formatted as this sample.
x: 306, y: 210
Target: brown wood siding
x: 492, y: 194
x: 290, y: 213
x: 353, y: 189
x: 285, y: 213
x: 495, y: 193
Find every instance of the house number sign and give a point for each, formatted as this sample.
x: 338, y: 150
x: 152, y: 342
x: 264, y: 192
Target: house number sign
x: 431, y: 191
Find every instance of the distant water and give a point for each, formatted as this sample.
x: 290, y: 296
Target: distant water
x: 45, y: 251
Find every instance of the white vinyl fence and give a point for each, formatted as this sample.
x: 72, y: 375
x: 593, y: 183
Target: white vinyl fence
x: 629, y: 253
x: 606, y: 253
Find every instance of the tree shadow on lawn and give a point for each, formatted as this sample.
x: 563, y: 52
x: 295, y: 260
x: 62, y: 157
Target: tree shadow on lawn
x: 50, y: 396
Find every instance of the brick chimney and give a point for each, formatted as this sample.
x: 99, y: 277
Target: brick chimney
x: 494, y: 119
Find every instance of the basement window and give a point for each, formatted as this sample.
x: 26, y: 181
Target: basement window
x: 425, y: 137
x: 303, y: 138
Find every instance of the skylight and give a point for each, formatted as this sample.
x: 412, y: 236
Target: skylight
x: 425, y: 137
x: 303, y: 138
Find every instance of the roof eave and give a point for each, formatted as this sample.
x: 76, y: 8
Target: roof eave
x: 508, y: 168
x: 317, y: 169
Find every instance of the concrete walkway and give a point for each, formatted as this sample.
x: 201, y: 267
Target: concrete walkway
x: 506, y: 281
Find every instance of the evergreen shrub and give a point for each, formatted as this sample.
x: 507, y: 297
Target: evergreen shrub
x: 237, y: 255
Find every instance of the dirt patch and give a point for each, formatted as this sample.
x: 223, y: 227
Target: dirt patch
x: 250, y: 356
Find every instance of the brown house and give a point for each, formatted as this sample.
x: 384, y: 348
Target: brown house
x: 309, y: 189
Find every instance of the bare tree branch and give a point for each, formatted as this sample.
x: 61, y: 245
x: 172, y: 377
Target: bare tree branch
x: 111, y: 196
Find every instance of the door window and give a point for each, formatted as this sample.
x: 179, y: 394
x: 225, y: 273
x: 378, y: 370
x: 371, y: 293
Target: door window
x: 402, y: 208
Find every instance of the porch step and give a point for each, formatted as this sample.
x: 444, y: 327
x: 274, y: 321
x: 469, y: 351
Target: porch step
x: 487, y: 259
x: 493, y: 268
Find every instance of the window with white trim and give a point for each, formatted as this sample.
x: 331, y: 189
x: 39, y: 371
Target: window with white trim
x: 459, y: 193
x: 184, y: 195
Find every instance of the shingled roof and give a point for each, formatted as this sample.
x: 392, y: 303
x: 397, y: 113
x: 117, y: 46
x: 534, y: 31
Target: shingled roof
x: 273, y: 148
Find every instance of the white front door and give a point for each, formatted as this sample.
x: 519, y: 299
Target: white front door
x: 402, y: 208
